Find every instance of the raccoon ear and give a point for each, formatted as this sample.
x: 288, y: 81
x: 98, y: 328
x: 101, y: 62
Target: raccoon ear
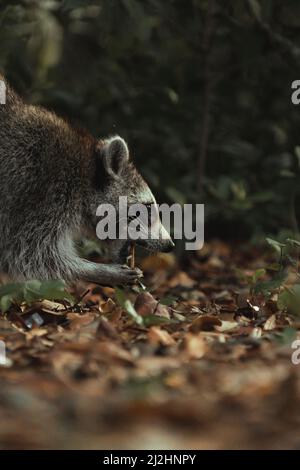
x: 116, y: 155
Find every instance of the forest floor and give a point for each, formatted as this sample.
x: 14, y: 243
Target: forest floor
x: 207, y: 368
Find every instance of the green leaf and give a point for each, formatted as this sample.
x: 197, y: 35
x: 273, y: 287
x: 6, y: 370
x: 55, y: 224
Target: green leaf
x: 140, y: 287
x: 239, y: 190
x: 120, y: 296
x: 133, y: 313
x: 148, y: 320
x: 274, y: 267
x: 289, y: 299
x: 14, y: 292
x: 267, y: 287
x: 55, y: 290
x: 31, y: 291
x: 127, y: 305
x: 293, y: 242
x: 11, y: 288
x: 258, y: 273
x: 287, y: 336
x: 5, y: 302
x: 168, y: 300
x: 151, y: 320
x: 275, y: 244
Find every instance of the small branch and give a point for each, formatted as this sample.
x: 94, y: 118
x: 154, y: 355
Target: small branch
x: 80, y: 299
x: 207, y: 94
x: 132, y: 256
x: 285, y: 46
x: 292, y: 211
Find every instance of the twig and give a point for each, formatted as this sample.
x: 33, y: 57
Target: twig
x: 80, y: 298
x: 207, y: 94
x: 285, y: 46
x: 132, y: 256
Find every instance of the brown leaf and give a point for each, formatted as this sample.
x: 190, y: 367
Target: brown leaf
x: 156, y: 364
x: 205, y: 323
x: 106, y: 330
x: 175, y: 380
x: 78, y: 321
x: 270, y: 323
x: 181, y: 279
x: 107, y: 306
x: 146, y: 304
x: 162, y: 311
x: 114, y: 351
x: 226, y: 326
x: 161, y: 261
x: 158, y: 336
x: 54, y: 308
x: 194, y: 346
x: 36, y: 332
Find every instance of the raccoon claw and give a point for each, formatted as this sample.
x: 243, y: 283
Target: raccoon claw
x: 137, y: 270
x: 113, y: 275
x: 127, y: 275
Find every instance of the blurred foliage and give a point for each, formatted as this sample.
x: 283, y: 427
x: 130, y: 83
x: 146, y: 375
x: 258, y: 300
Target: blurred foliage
x: 138, y: 69
x: 31, y: 291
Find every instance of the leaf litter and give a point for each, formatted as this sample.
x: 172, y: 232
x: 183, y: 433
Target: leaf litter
x: 197, y: 360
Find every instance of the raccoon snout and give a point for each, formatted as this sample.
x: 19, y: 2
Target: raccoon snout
x: 167, y: 246
x: 163, y: 246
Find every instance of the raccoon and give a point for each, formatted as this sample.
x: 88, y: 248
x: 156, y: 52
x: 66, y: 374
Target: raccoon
x: 53, y: 177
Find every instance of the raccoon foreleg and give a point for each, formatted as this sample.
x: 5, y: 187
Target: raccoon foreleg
x: 107, y: 274
x: 61, y: 261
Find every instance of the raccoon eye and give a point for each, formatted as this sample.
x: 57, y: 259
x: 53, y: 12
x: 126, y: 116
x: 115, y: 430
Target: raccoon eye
x: 140, y: 215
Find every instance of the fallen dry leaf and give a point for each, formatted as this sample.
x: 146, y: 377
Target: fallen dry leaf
x: 205, y: 323
x: 181, y: 279
x: 146, y: 304
x: 194, y: 346
x: 227, y: 326
x: 77, y: 321
x: 157, y: 335
x: 161, y: 261
x: 270, y: 323
x: 96, y: 377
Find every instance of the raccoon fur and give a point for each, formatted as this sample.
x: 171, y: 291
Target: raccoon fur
x: 53, y: 177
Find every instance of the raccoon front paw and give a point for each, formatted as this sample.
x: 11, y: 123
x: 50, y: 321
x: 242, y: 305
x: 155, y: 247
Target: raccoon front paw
x: 125, y: 275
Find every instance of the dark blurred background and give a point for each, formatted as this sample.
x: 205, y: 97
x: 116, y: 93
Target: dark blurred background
x: 201, y: 90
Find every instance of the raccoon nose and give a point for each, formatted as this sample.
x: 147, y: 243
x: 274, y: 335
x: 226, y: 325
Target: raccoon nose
x: 168, y: 246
